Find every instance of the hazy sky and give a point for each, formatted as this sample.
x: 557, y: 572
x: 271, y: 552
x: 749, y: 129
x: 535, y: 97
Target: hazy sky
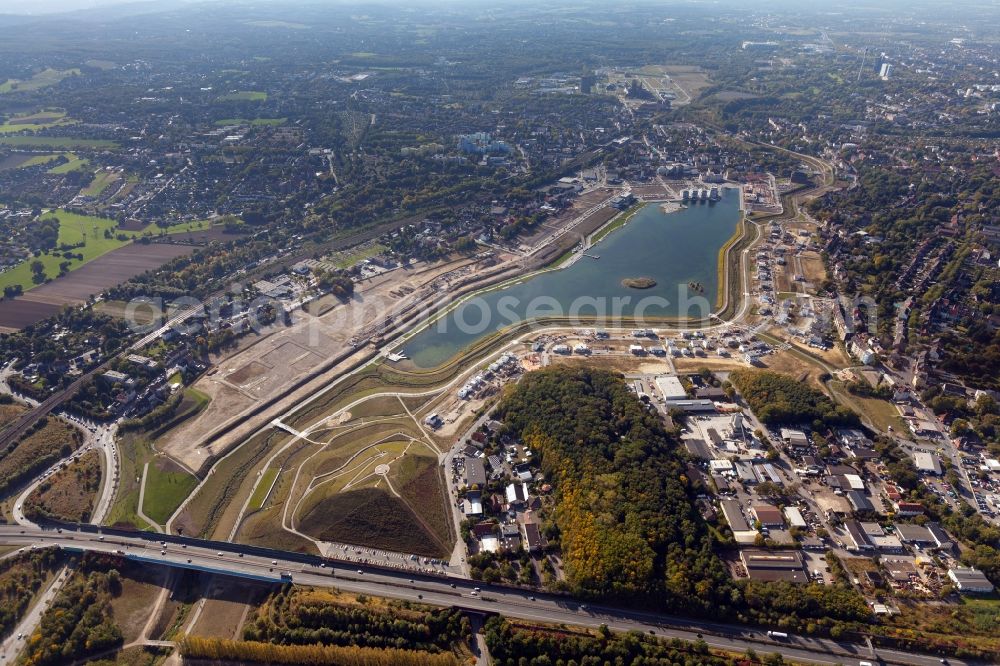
x: 49, y: 6
x: 55, y: 6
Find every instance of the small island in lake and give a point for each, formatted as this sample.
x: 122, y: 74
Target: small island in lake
x: 639, y: 283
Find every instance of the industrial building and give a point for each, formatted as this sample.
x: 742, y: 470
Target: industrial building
x: 971, y: 580
x: 475, y: 472
x: 773, y: 565
x: 927, y: 462
x: 671, y: 387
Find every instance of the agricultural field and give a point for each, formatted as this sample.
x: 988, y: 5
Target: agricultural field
x: 99, y: 263
x: 106, y: 271
x: 33, y: 122
x: 244, y: 96
x: 74, y: 229
x: 43, y: 79
x: 69, y: 494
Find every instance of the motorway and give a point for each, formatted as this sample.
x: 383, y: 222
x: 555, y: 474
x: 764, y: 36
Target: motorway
x: 247, y: 562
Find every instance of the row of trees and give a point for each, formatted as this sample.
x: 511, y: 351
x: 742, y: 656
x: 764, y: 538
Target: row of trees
x: 243, y: 652
x: 295, y: 616
x: 513, y: 645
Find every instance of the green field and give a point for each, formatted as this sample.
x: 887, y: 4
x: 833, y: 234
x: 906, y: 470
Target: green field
x: 179, y: 228
x: 166, y: 487
x: 167, y: 483
x: 73, y: 164
x: 880, y: 413
x: 263, y: 487
x: 45, y: 78
x: 74, y: 228
x: 348, y: 259
x: 40, y: 159
x: 257, y: 122
x: 57, y: 142
x: 35, y: 121
x: 100, y: 183
x: 244, y: 96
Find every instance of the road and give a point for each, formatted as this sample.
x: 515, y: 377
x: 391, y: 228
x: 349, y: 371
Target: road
x: 247, y: 562
x: 100, y: 438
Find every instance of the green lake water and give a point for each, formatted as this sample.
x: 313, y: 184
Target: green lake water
x: 674, y: 249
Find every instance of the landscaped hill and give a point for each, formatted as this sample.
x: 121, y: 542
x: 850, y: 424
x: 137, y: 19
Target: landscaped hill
x: 775, y: 398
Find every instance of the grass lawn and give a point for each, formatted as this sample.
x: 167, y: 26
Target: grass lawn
x: 880, y: 413
x: 257, y: 499
x: 45, y: 78
x: 40, y: 159
x: 167, y: 483
x: 100, y: 183
x: 348, y: 259
x: 57, y: 142
x: 244, y: 96
x: 166, y: 487
x: 180, y: 227
x: 251, y: 121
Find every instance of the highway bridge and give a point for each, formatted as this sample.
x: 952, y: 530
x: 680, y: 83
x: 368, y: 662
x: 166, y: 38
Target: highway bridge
x: 278, y: 567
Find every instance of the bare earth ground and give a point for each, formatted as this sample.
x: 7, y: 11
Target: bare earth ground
x: 224, y: 607
x: 578, y: 207
x: 263, y: 369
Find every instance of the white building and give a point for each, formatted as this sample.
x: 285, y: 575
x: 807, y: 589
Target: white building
x: 671, y: 388
x: 927, y: 462
x: 967, y: 579
x: 794, y: 517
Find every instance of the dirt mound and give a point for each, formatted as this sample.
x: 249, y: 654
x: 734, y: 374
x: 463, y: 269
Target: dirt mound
x: 369, y: 517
